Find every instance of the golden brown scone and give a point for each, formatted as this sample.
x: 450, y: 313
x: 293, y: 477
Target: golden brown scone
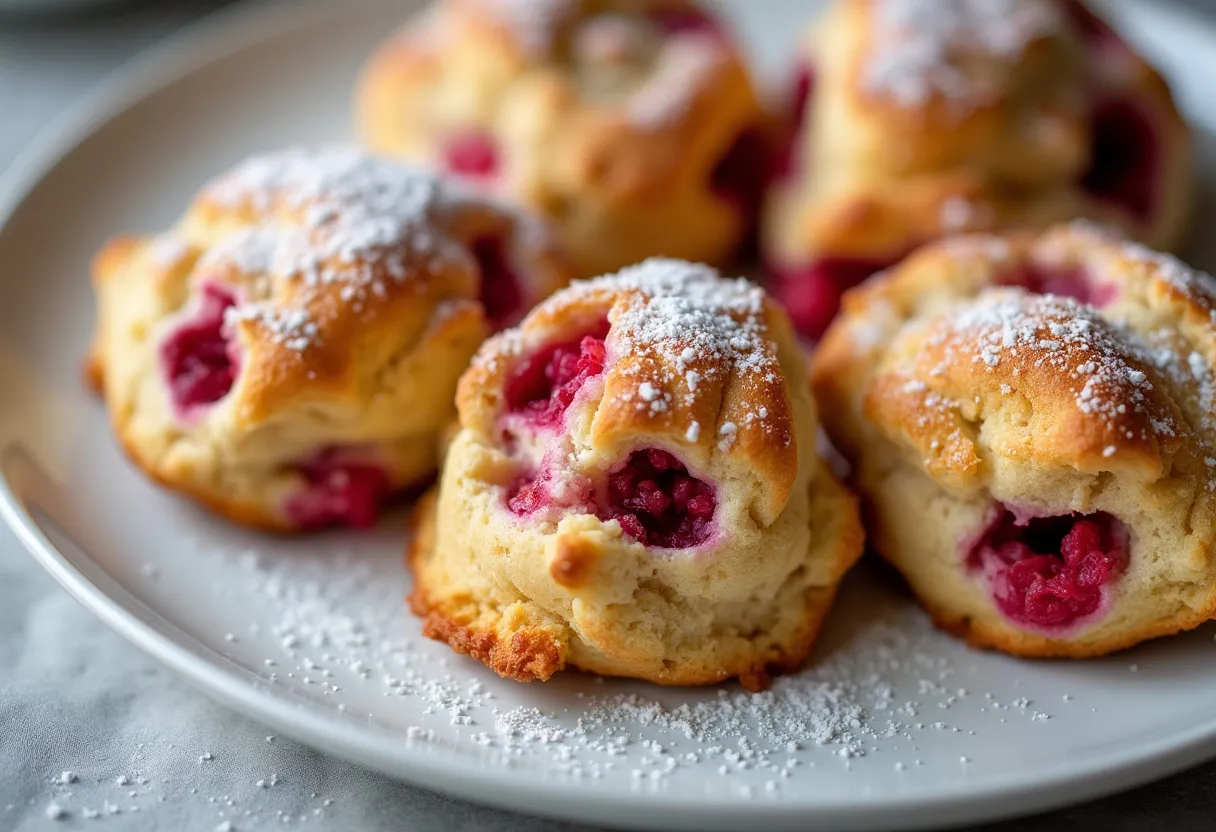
x: 287, y: 354
x: 635, y: 490
x: 631, y: 124
x: 1032, y: 425
x: 917, y: 119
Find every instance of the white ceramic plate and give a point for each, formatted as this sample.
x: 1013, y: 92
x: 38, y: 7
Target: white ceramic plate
x: 894, y: 726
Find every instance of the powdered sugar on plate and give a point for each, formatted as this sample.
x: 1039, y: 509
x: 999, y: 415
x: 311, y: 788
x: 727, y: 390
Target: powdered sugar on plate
x: 333, y: 628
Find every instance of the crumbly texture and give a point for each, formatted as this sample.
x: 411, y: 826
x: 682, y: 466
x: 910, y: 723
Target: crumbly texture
x: 353, y: 307
x: 952, y: 390
x: 623, y: 121
x: 931, y: 118
x: 701, y: 368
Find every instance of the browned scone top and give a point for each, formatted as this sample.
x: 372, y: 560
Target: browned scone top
x: 608, y: 116
x: 668, y: 519
x: 1067, y: 373
x: 925, y: 119
x: 340, y: 286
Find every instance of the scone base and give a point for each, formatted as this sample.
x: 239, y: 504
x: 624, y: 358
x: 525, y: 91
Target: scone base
x: 997, y: 635
x: 525, y: 643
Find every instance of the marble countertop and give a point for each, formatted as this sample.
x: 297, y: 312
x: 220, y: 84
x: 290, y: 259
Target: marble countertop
x: 79, y: 703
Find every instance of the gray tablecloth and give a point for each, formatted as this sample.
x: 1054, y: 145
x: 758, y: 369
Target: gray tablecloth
x: 93, y: 732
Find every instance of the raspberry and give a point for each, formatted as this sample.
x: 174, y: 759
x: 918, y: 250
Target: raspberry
x: 339, y: 493
x: 1075, y: 283
x: 543, y: 386
x: 1125, y: 159
x: 812, y: 294
x: 1049, y: 572
x: 657, y: 502
x: 472, y: 154
x: 502, y: 294
x: 198, y: 358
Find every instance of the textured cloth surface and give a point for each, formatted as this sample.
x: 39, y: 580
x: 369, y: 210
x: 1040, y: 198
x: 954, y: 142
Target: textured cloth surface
x: 145, y: 752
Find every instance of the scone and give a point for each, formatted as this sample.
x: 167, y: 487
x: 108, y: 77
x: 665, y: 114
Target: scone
x: 631, y: 124
x: 288, y: 352
x: 1032, y: 425
x: 921, y: 118
x: 635, y: 490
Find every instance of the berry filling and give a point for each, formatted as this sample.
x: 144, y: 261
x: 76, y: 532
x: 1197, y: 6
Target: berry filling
x: 1096, y: 31
x: 658, y: 503
x: 472, y: 154
x: 785, y: 165
x: 1072, y: 282
x: 1125, y: 158
x: 543, y: 386
x: 554, y: 487
x: 528, y: 495
x: 812, y: 295
x: 339, y: 492
x: 740, y: 175
x: 502, y: 294
x: 682, y: 19
x: 1048, y: 572
x: 198, y: 358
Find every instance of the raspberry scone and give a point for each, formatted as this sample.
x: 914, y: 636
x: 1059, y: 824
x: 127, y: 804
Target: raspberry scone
x: 635, y: 490
x: 915, y: 119
x: 1032, y: 425
x: 288, y: 352
x: 631, y: 124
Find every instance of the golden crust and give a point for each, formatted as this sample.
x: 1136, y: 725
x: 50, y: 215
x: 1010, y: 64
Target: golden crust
x: 352, y: 283
x: 950, y: 387
x: 574, y: 586
x: 521, y: 651
x: 603, y: 124
x: 996, y: 133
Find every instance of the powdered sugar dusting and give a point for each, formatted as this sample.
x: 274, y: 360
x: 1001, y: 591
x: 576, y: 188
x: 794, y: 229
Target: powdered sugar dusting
x: 682, y: 69
x: 332, y: 626
x: 354, y: 221
x: 533, y: 23
x: 919, y: 48
x: 678, y: 313
x: 682, y: 309
x: 1103, y: 366
x: 357, y: 214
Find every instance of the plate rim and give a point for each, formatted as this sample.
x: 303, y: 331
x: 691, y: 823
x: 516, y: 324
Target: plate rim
x: 232, y: 31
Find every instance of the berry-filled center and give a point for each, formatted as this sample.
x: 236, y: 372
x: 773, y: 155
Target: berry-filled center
x: 472, y: 154
x: 1124, y: 161
x: 684, y: 20
x: 339, y: 491
x: 198, y: 358
x: 1048, y: 572
x: 502, y: 294
x: 544, y: 385
x: 785, y: 166
x: 743, y: 170
x: 812, y: 294
x: 1069, y: 282
x: 1098, y: 34
x: 658, y: 503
